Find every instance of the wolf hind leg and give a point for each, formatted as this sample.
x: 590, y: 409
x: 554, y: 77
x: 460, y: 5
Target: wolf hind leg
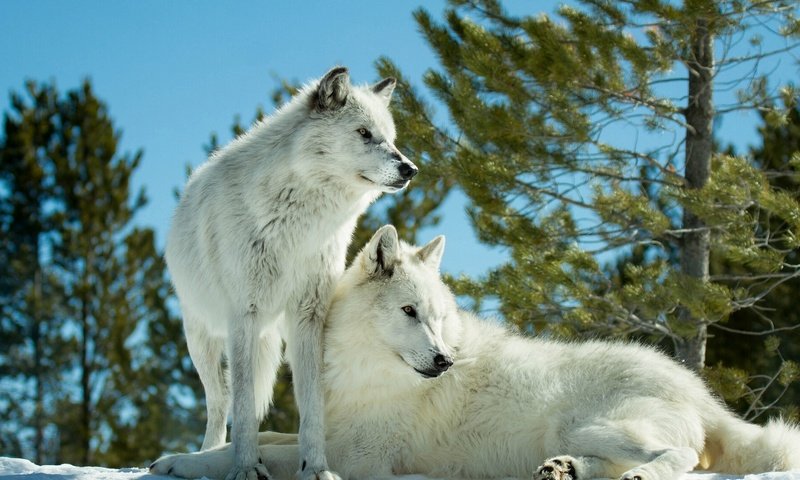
x: 607, y: 450
x: 667, y: 464
x: 217, y: 462
x: 206, y: 353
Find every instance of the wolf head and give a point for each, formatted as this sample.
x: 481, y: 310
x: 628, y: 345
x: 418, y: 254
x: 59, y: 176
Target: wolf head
x: 393, y: 302
x: 349, y: 134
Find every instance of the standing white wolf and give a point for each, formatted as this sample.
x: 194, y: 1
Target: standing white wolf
x: 413, y: 386
x: 257, y: 242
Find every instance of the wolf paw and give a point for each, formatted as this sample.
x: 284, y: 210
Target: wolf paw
x: 186, y: 465
x: 635, y: 474
x: 162, y: 466
x: 256, y: 472
x: 215, y: 463
x: 556, y: 468
x: 180, y: 465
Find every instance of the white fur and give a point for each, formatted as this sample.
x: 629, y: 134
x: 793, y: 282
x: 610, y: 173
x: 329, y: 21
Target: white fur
x: 510, y: 406
x: 259, y: 239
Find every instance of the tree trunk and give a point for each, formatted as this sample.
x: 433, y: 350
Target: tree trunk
x: 695, y: 249
x: 36, y: 339
x: 86, y: 371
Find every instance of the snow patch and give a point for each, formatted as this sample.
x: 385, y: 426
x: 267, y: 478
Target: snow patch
x: 20, y: 469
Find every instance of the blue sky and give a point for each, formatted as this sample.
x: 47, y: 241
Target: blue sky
x: 174, y: 71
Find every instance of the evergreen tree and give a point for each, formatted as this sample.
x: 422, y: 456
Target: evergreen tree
x: 32, y: 349
x: 93, y: 184
x: 98, y: 289
x: 588, y: 134
x: 758, y: 344
x: 153, y: 392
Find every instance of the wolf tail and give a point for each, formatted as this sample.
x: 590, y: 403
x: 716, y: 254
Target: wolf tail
x: 738, y: 447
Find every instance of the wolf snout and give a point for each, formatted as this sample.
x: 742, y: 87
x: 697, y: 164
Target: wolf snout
x: 439, y: 365
x: 442, y: 362
x: 407, y: 170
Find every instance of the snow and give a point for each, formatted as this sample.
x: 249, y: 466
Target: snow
x: 19, y: 469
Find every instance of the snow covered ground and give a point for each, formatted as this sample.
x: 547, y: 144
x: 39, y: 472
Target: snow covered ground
x: 18, y: 469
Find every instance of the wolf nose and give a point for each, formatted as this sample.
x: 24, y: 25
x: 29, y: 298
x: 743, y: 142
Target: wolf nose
x: 442, y: 363
x: 407, y: 170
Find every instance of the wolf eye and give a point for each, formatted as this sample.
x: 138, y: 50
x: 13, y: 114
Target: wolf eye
x: 410, y: 311
x: 365, y: 133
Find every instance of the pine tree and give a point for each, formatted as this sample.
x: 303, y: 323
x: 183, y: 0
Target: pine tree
x: 760, y: 346
x: 588, y: 134
x: 32, y: 349
x: 93, y: 184
x: 153, y: 393
x: 111, y: 339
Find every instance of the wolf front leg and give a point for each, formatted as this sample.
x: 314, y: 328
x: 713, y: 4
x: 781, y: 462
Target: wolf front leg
x: 245, y: 350
x: 304, y: 351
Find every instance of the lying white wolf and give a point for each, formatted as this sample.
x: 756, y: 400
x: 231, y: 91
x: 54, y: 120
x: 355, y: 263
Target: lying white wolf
x: 507, y: 406
x: 256, y: 246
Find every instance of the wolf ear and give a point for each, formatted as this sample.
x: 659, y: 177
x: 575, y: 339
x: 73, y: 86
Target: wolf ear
x: 431, y: 254
x: 384, y: 89
x: 333, y: 90
x: 381, y: 251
